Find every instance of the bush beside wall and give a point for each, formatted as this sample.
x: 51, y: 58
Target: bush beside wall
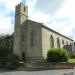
x: 57, y: 55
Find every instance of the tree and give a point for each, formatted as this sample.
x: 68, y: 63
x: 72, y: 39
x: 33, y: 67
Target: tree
x: 6, y: 42
x: 7, y: 58
x: 5, y: 49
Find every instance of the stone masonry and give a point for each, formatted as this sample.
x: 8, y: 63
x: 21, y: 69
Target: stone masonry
x: 32, y: 39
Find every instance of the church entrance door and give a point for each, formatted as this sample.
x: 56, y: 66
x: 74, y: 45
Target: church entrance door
x: 23, y: 56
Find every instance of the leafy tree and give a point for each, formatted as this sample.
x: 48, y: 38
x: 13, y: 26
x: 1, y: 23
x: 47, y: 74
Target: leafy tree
x: 5, y: 48
x: 6, y: 42
x: 7, y: 58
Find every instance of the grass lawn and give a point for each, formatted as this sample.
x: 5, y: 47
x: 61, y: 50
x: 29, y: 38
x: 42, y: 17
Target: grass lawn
x: 71, y: 60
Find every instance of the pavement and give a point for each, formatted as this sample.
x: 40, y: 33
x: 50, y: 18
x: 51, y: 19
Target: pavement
x: 44, y: 72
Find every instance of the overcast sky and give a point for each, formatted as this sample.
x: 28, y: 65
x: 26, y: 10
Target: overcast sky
x: 59, y: 15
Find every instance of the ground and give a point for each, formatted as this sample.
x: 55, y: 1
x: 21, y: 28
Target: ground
x: 45, y: 72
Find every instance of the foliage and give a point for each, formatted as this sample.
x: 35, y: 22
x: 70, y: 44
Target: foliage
x: 6, y: 42
x: 5, y: 49
x: 12, y: 61
x: 57, y: 55
x: 7, y: 58
x: 71, y: 60
x: 72, y: 54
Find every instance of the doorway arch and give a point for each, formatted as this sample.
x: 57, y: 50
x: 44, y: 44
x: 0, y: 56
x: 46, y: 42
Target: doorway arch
x: 23, y: 56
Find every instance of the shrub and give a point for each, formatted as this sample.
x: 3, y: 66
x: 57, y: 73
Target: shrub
x: 72, y: 54
x: 12, y: 61
x: 57, y: 55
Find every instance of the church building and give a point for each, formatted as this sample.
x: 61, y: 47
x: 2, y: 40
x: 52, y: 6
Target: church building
x: 32, y: 39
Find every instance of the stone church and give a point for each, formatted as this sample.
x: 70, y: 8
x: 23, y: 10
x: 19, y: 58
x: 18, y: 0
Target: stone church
x: 32, y: 39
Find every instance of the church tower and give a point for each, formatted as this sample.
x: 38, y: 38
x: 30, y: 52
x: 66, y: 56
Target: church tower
x: 21, y: 15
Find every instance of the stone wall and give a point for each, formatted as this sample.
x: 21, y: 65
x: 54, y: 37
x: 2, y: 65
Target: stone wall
x: 46, y: 33
x: 49, y: 66
x: 34, y: 52
x: 62, y: 65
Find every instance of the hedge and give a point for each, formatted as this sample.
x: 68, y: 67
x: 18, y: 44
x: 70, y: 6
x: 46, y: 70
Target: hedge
x: 57, y: 55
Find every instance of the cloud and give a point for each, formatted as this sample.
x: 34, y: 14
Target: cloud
x: 6, y: 26
x: 63, y: 26
x: 49, y: 6
x: 9, y: 4
x: 56, y: 14
x: 67, y: 10
x: 40, y: 17
x: 7, y: 8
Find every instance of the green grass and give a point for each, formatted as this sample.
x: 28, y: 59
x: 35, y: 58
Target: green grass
x: 71, y: 60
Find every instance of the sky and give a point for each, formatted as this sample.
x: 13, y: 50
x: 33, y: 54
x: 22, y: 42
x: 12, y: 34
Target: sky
x: 58, y: 15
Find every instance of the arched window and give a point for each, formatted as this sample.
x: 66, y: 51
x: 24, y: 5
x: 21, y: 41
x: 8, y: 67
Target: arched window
x: 33, y: 38
x: 24, y: 9
x: 66, y: 43
x: 23, y: 56
x: 58, y: 43
x: 51, y: 42
x: 70, y: 44
x: 63, y: 42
